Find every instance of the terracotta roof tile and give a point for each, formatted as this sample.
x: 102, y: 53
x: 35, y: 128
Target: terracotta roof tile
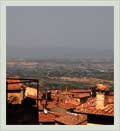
x: 46, y: 117
x: 16, y: 86
x: 57, y: 113
x: 89, y: 108
x: 51, y: 105
x: 69, y: 119
x: 82, y: 95
x: 79, y: 90
x: 67, y: 105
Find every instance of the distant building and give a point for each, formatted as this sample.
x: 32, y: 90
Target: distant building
x: 82, y: 97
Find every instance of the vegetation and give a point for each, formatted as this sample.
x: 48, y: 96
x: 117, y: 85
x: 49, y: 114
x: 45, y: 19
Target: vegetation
x: 45, y: 70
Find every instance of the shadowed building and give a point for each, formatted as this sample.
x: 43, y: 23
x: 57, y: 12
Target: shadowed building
x: 15, y: 92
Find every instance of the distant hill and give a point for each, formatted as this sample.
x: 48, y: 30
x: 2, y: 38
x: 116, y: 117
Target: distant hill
x: 56, y: 52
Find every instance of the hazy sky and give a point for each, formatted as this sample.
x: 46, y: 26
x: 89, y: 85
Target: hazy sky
x: 59, y: 31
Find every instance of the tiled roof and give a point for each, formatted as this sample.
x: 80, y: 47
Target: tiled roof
x: 55, y: 97
x: 79, y: 90
x: 67, y: 105
x: 69, y: 119
x: 57, y: 113
x: 16, y: 86
x: 46, y: 117
x: 66, y: 93
x: 43, y: 102
x: 51, y: 104
x: 89, y: 108
x: 82, y: 95
x: 58, y: 109
x: 40, y: 106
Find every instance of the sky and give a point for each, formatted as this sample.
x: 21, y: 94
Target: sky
x: 42, y: 32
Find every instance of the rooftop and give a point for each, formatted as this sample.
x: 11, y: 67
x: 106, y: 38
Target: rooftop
x: 89, y: 108
x: 16, y: 86
x: 67, y: 105
x: 46, y: 117
x: 80, y: 90
x: 69, y: 119
x: 82, y: 95
x: 51, y: 104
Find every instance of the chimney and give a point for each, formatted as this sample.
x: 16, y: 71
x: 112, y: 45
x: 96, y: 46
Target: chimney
x: 100, y: 100
x: 100, y: 97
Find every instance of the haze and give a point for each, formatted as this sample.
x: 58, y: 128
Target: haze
x: 48, y: 32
